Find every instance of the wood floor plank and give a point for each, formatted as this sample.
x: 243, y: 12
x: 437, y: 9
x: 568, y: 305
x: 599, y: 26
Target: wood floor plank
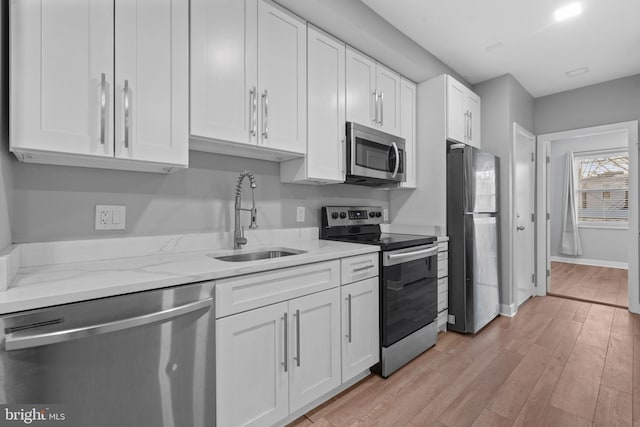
x: 581, y: 312
x: 614, y: 408
x: 597, y: 326
x: 577, y: 389
x: 622, y: 322
x: 489, y: 418
x: 470, y: 404
x: 636, y: 377
x: 537, y: 400
x: 618, y: 367
x: 513, y: 394
x: 554, y: 417
x: 592, y: 283
x: 430, y: 413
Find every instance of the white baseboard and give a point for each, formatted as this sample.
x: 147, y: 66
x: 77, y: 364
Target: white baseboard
x: 594, y: 262
x: 508, y: 310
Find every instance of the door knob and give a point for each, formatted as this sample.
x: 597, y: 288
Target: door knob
x: 520, y: 227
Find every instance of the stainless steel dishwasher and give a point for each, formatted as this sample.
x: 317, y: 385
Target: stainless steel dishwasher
x: 142, y: 359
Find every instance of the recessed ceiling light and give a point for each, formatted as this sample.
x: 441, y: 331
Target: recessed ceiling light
x: 568, y: 11
x: 577, y: 72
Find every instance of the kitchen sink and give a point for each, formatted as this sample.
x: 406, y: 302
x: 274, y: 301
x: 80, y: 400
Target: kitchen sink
x: 258, y: 255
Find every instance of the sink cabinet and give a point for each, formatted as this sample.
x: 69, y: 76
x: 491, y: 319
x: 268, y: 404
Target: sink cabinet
x: 101, y: 83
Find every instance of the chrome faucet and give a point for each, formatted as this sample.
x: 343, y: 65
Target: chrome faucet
x: 238, y: 232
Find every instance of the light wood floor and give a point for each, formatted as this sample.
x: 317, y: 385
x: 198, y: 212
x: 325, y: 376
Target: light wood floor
x: 597, y: 284
x: 558, y: 362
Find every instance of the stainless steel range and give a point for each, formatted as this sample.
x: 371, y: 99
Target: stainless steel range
x: 408, y: 281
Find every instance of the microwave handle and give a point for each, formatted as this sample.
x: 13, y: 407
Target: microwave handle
x: 395, y: 170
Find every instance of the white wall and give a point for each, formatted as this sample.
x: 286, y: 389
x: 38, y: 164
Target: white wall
x: 601, y: 244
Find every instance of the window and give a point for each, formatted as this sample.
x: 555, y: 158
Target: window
x: 603, y: 187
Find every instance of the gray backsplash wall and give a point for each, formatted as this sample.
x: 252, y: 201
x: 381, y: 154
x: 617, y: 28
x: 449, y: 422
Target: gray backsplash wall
x: 58, y: 203
x: 6, y: 162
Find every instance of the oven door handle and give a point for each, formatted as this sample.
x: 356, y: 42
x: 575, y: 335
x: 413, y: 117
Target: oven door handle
x: 397, y: 258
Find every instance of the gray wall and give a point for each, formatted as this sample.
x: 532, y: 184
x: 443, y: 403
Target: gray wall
x: 6, y: 162
x: 504, y: 101
x: 58, y: 203
x: 600, y: 244
x: 604, y: 103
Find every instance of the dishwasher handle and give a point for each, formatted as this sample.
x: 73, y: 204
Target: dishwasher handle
x: 21, y: 341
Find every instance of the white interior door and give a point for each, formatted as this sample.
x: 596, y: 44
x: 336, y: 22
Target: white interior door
x: 524, y: 203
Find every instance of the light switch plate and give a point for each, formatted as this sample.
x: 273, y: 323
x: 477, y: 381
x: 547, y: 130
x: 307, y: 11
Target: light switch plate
x: 111, y: 217
x: 385, y: 214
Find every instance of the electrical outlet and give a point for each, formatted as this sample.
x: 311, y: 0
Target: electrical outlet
x: 300, y: 214
x: 385, y: 214
x: 111, y: 217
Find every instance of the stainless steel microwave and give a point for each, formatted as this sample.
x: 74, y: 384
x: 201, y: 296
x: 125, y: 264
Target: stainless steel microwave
x: 374, y: 158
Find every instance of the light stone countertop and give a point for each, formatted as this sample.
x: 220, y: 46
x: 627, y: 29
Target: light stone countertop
x: 36, y: 286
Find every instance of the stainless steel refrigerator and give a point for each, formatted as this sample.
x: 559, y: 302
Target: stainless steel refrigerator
x: 473, y: 228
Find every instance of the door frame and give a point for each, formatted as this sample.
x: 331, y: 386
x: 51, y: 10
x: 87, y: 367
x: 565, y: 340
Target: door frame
x: 519, y: 129
x: 542, y: 196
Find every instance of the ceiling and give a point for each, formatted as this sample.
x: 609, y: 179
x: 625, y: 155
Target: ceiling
x: 485, y: 39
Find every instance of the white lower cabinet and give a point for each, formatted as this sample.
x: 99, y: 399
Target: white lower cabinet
x: 360, y: 330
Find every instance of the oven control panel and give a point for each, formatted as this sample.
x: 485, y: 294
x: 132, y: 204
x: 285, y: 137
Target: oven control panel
x: 337, y: 216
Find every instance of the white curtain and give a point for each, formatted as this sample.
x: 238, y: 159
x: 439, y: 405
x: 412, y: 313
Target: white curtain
x: 570, y: 240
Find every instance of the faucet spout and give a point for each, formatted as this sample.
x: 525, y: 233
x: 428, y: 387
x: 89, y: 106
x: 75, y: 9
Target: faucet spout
x: 238, y: 232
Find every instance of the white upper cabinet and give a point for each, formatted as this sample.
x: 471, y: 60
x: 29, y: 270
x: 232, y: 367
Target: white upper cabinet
x: 373, y: 93
x: 68, y: 104
x: 248, y: 77
x: 324, y: 162
x: 463, y: 113
x: 224, y: 70
x: 151, y: 81
x: 408, y: 115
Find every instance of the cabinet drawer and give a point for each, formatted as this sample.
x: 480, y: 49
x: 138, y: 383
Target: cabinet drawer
x: 359, y: 268
x: 443, y: 284
x: 443, y: 300
x: 443, y: 268
x: 443, y: 256
x: 443, y: 246
x: 244, y: 293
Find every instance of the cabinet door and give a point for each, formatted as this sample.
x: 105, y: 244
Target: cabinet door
x: 252, y: 382
x: 408, y: 103
x: 224, y: 55
x: 456, y: 110
x: 361, y: 88
x: 59, y: 53
x: 151, y: 89
x: 475, y: 131
x: 315, y: 351
x: 282, y: 78
x: 388, y: 84
x: 326, y: 106
x: 360, y: 327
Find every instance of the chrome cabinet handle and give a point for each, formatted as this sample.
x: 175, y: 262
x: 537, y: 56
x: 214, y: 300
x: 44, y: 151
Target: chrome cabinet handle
x: 397, y: 166
x: 103, y: 107
x: 466, y: 126
x: 253, y: 121
x: 356, y: 270
x: 18, y: 341
x: 127, y: 113
x: 470, y: 126
x: 265, y: 114
x: 374, y: 98
x: 286, y: 342
x: 349, y: 317
x: 297, y: 358
x: 381, y: 108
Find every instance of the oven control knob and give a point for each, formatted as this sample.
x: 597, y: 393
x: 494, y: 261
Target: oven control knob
x: 378, y: 214
x: 343, y: 215
x: 334, y: 215
x: 372, y: 214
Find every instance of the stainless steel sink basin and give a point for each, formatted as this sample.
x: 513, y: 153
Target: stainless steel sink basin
x: 257, y: 255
